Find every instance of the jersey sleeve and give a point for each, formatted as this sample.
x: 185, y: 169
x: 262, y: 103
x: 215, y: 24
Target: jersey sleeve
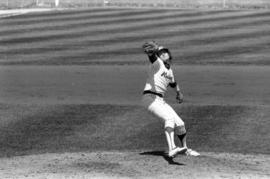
x: 156, y: 65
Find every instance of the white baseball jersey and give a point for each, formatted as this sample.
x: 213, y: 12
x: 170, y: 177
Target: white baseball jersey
x: 159, y: 77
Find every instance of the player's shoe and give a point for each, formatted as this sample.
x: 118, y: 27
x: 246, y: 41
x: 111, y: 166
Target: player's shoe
x: 191, y: 152
x: 177, y: 150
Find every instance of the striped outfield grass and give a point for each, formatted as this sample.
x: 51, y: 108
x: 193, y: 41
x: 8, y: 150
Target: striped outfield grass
x: 115, y: 36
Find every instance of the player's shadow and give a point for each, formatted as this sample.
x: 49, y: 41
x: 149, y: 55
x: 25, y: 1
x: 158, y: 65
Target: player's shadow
x: 164, y: 155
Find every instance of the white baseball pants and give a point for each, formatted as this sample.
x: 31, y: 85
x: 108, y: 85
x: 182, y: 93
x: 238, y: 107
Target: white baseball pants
x: 162, y: 110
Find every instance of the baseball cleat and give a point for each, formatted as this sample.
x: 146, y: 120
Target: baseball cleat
x: 174, y: 152
x: 191, y: 152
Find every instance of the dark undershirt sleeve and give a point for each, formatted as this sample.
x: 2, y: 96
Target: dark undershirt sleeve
x: 152, y: 58
x: 173, y: 85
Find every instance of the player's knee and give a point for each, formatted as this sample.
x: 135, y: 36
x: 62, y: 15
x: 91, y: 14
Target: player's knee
x: 180, y: 130
x: 169, y: 125
x: 169, y: 129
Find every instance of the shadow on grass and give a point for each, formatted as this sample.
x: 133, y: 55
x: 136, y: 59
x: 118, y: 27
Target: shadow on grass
x: 60, y: 128
x: 164, y: 155
x: 85, y: 127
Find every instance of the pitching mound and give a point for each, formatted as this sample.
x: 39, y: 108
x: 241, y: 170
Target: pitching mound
x: 138, y: 164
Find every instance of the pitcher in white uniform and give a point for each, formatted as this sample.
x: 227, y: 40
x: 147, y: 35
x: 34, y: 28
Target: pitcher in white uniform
x: 160, y: 76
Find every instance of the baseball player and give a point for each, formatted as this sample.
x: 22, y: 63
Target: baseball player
x: 160, y: 76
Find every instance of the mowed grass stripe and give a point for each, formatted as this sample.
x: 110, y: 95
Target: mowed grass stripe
x: 186, y: 36
x: 60, y: 13
x: 109, y: 20
x: 54, y: 20
x: 116, y: 17
x: 38, y: 17
x: 126, y: 45
x: 75, y: 17
x: 113, y: 28
x: 233, y: 47
x: 258, y: 57
x: 179, y: 31
x: 199, y: 53
x: 187, y: 52
x: 96, y: 15
x: 180, y: 18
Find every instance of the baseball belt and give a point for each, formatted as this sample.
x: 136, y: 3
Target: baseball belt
x: 152, y: 92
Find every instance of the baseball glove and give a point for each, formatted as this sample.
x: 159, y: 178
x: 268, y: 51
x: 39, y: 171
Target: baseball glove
x: 150, y: 47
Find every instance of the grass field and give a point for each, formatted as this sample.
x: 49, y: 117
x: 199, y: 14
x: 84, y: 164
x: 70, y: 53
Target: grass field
x: 113, y: 36
x: 71, y: 83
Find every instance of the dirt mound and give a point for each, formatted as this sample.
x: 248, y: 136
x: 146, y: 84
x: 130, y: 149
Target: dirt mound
x: 137, y: 164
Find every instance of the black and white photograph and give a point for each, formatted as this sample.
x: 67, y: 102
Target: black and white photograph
x: 134, y: 89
